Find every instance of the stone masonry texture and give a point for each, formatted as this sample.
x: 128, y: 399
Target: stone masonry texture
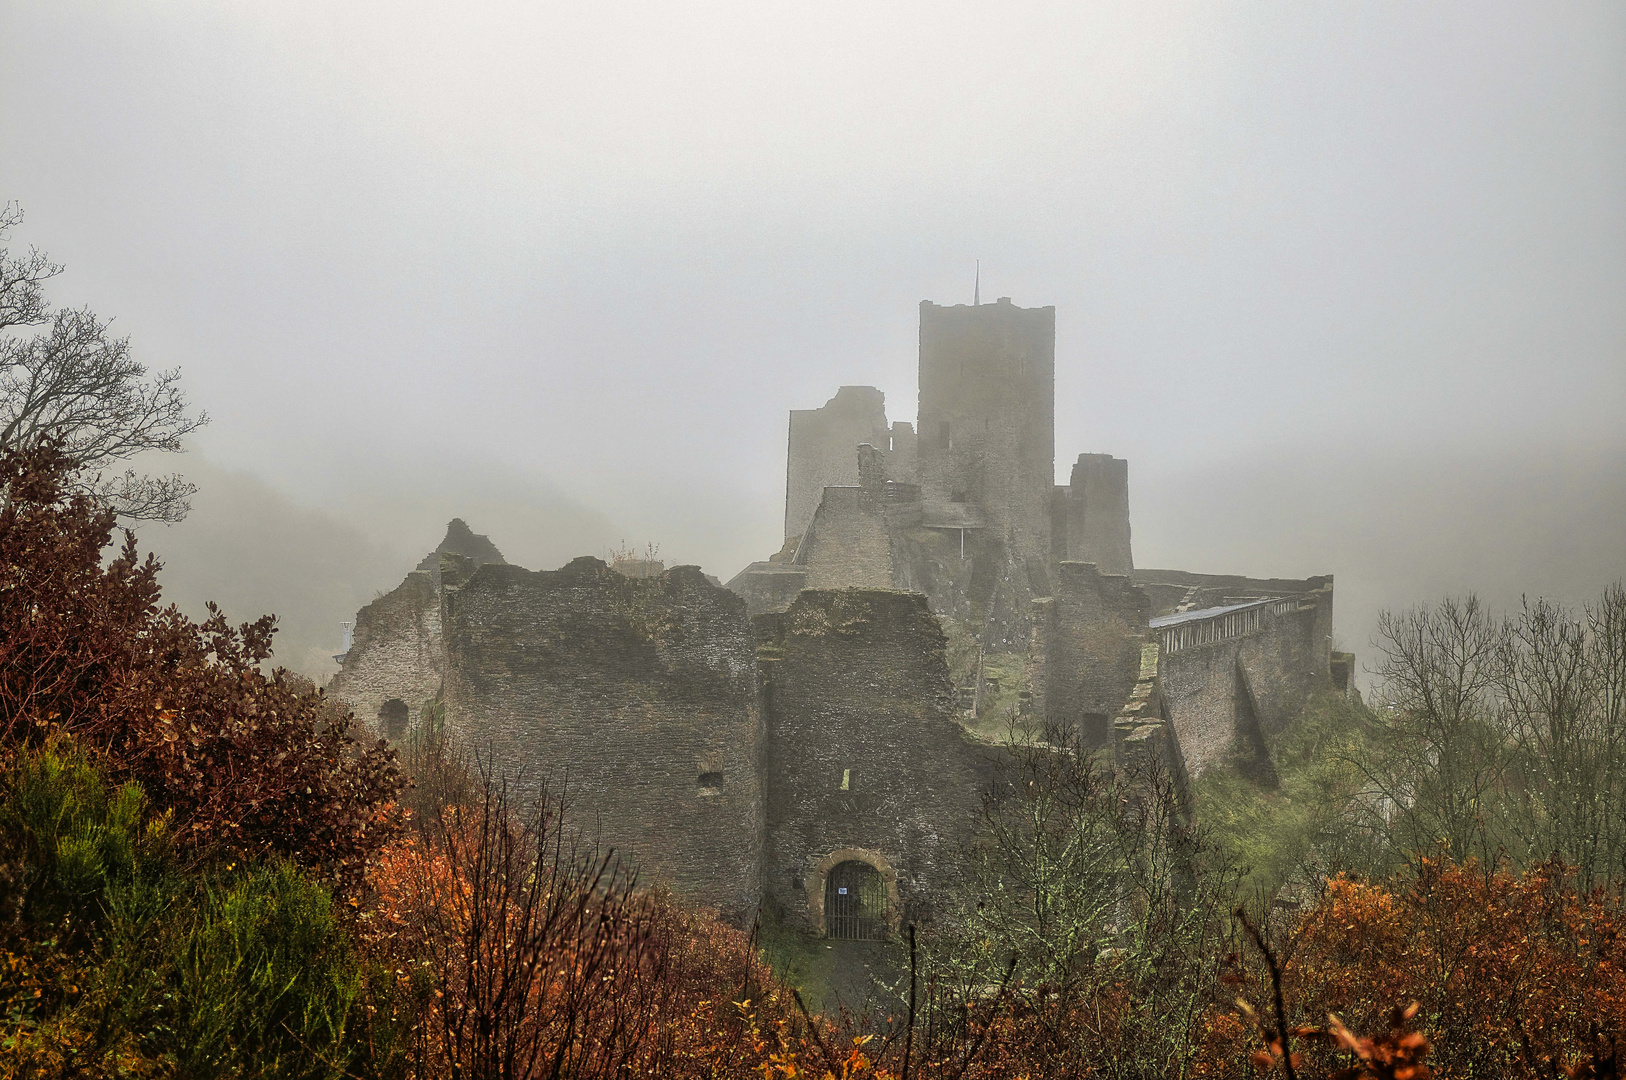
x: 987, y: 416
x: 857, y: 690
x: 636, y: 698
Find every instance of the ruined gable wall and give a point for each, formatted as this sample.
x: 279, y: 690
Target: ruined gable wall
x: 855, y: 679
x: 875, y: 539
x: 821, y: 446
x: 768, y: 586
x: 1092, y: 632
x: 396, y: 650
x: 848, y: 544
x: 637, y: 693
x: 1091, y: 515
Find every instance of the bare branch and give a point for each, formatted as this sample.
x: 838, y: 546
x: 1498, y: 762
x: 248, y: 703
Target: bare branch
x: 78, y: 386
x: 22, y: 301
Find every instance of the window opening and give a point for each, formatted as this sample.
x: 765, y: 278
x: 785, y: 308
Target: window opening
x: 711, y: 783
x: 855, y: 902
x: 846, y: 779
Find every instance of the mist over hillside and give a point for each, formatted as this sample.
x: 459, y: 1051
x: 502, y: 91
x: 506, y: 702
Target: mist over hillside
x: 253, y: 548
x: 1396, y: 529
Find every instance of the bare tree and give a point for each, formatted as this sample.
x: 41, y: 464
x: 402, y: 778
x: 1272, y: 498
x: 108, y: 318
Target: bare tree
x: 75, y: 384
x: 1094, y: 905
x: 1443, y: 750
x: 1561, y: 676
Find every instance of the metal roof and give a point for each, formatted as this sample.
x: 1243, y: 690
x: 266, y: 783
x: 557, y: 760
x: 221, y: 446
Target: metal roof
x: 1206, y: 613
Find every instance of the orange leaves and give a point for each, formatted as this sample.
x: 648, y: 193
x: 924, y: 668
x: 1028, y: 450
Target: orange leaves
x: 1508, y: 975
x: 247, y: 762
x: 1395, y: 1055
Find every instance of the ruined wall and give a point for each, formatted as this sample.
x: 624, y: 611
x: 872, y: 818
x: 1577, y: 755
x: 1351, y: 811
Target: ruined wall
x: 1229, y: 696
x: 396, y: 653
x: 904, y: 465
x: 768, y: 586
x: 1142, y: 729
x: 972, y: 577
x: 1090, y: 520
x: 1090, y: 637
x: 639, y: 694
x: 852, y: 538
x: 848, y: 544
x: 876, y: 535
x: 821, y: 446
x: 856, y: 688
x: 987, y: 416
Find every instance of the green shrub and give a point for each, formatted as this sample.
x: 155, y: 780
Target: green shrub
x: 121, y: 959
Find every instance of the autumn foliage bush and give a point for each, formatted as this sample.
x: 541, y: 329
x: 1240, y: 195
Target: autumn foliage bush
x: 207, y: 870
x: 1509, y: 975
x: 243, y: 761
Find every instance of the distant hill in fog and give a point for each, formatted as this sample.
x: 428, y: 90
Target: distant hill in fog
x: 1396, y: 529
x: 254, y: 549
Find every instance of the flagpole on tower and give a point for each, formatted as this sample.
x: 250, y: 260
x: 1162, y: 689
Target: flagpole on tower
x: 976, y: 291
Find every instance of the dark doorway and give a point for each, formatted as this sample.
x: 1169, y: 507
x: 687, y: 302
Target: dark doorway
x: 1095, y: 730
x: 392, y: 718
x: 855, y: 902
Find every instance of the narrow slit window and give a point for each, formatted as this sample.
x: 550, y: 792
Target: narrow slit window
x: 846, y: 779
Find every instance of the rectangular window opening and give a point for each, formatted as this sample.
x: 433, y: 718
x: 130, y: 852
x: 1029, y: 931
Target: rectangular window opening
x: 846, y: 779
x: 711, y: 783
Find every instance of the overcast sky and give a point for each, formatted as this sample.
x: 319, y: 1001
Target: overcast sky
x: 1345, y: 282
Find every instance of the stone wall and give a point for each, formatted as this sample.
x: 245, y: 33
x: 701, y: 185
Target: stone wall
x: 1090, y: 522
x: 821, y: 446
x: 875, y: 536
x: 848, y: 543
x: 1230, y: 696
x: 768, y: 586
x: 1089, y: 635
x: 637, y: 696
x: 904, y: 466
x: 865, y: 758
x: 396, y: 653
x: 1172, y: 590
x: 1142, y: 729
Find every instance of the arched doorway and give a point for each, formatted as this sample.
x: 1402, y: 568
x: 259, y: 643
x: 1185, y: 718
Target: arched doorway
x: 855, y: 902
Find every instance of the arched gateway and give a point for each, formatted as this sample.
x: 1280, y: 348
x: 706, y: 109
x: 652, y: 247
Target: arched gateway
x: 855, y: 902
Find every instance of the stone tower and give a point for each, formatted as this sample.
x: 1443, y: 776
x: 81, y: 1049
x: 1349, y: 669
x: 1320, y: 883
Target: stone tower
x: 986, y: 427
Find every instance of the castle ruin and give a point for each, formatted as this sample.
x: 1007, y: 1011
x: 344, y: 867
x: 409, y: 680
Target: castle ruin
x: 800, y: 737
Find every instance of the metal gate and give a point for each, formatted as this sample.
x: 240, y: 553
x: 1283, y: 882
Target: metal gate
x: 855, y: 902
